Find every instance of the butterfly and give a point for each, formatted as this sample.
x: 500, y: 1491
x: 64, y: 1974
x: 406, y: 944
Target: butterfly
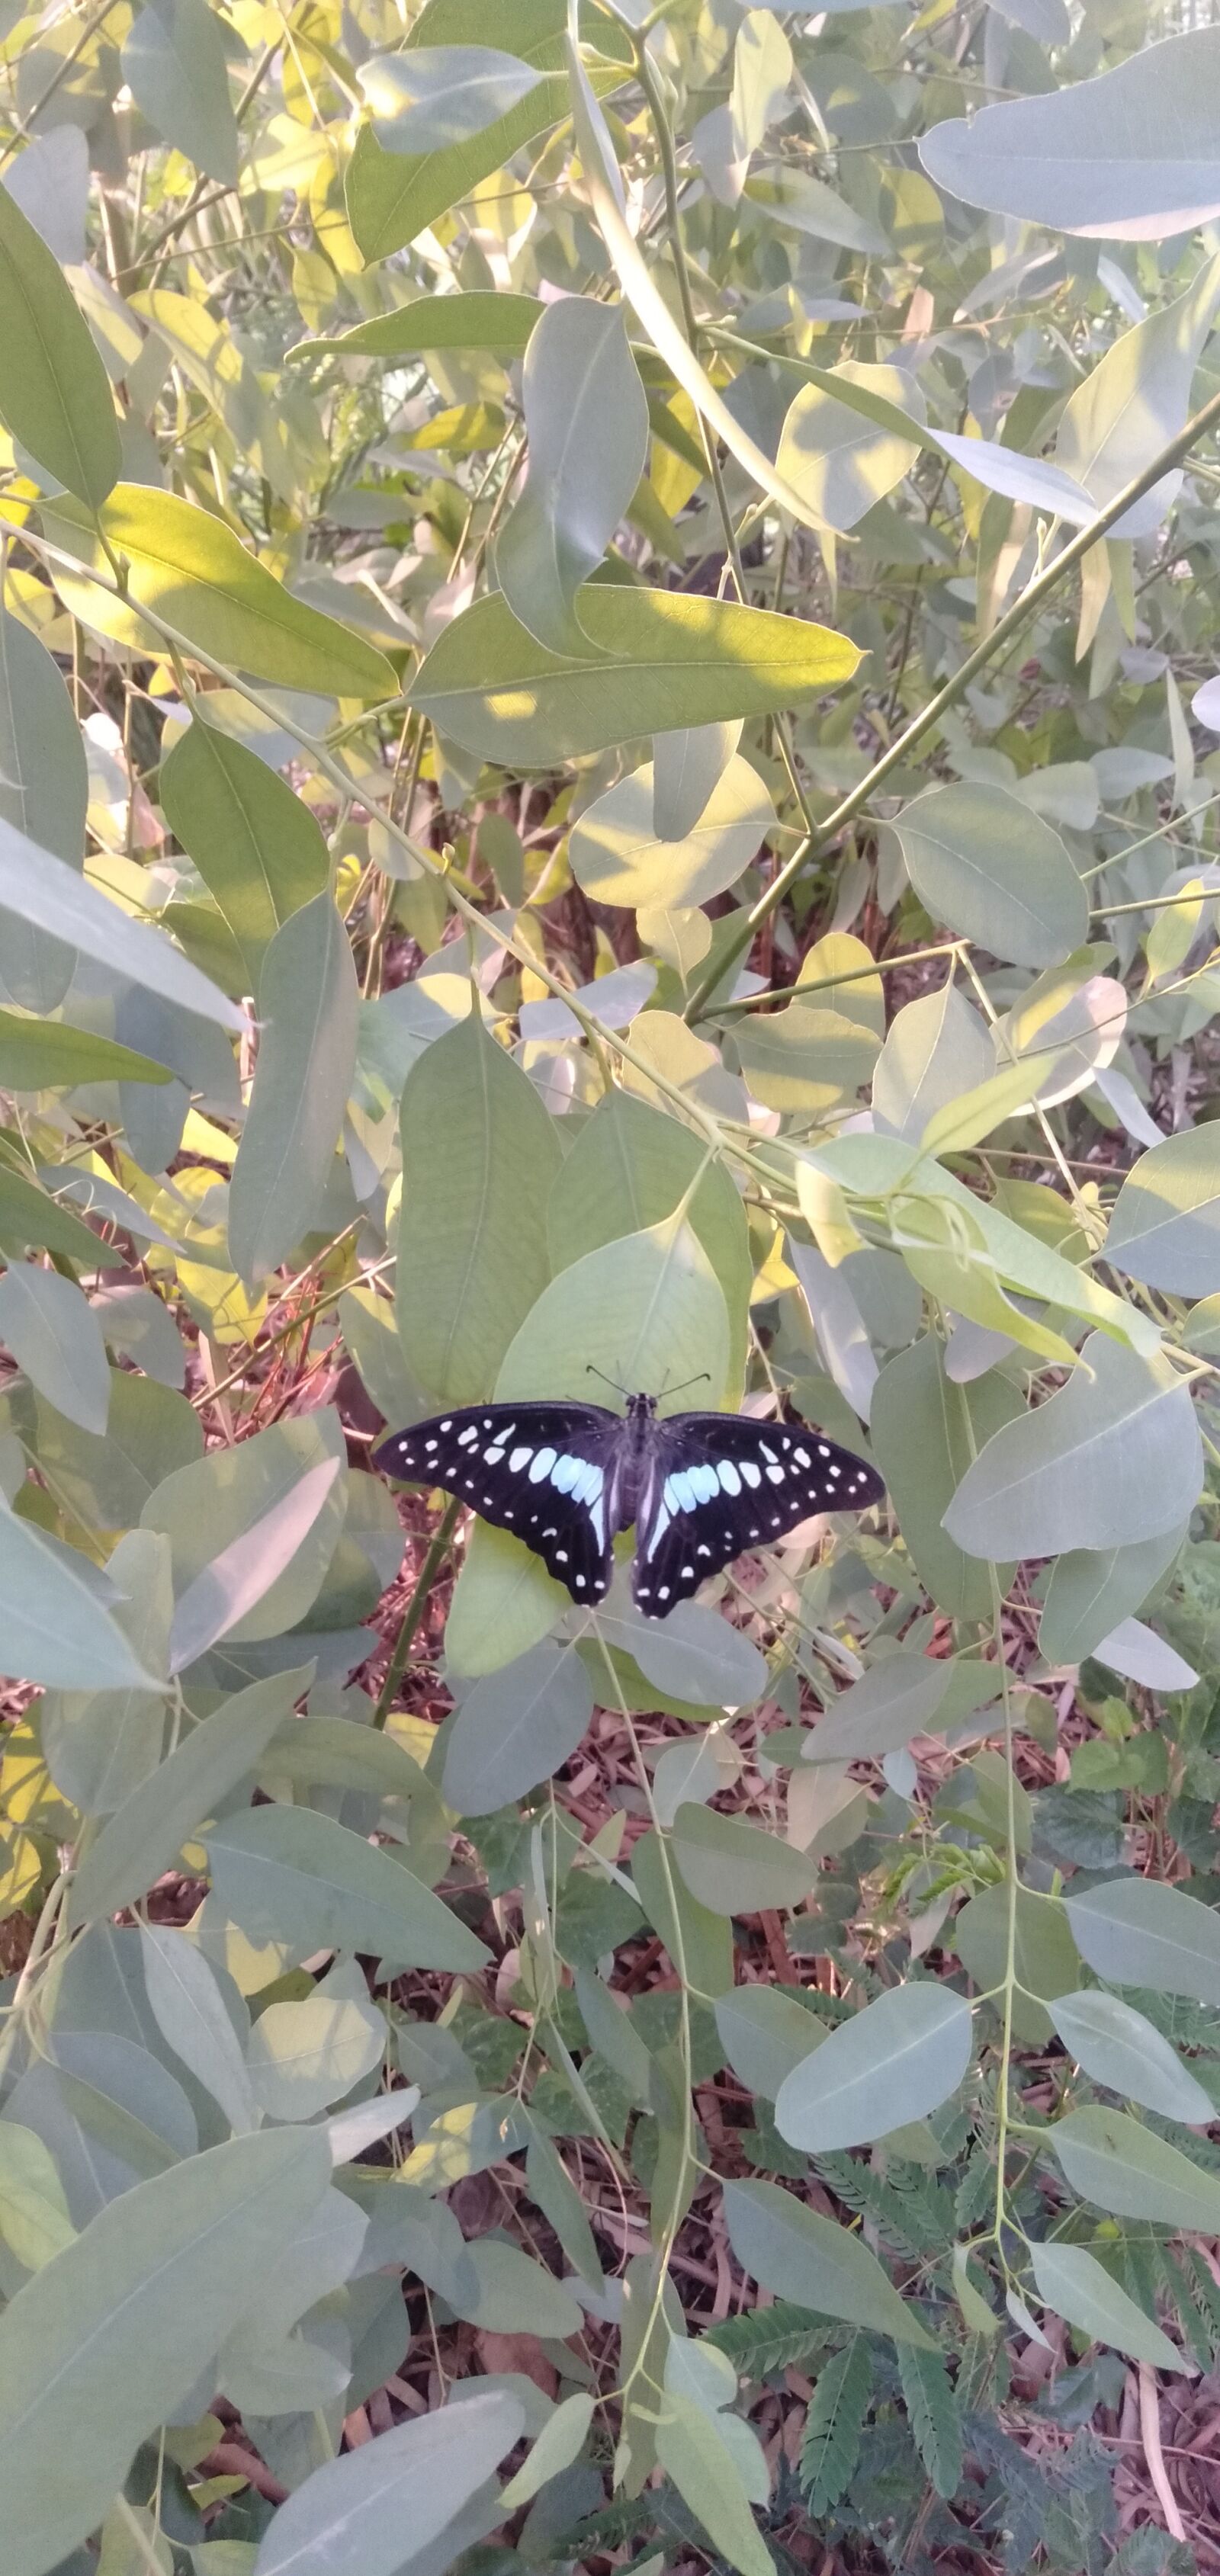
x: 565, y: 1477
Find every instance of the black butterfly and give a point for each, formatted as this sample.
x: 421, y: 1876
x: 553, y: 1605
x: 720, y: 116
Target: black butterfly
x: 700, y: 1487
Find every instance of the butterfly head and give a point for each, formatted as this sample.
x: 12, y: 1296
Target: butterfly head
x: 641, y: 1408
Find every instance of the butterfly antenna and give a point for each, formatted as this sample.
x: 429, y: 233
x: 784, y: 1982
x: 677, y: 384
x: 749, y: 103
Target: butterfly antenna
x: 702, y: 1379
x: 591, y: 1371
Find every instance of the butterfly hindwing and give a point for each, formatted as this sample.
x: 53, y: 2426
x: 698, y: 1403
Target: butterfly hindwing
x: 724, y: 1483
x: 539, y: 1470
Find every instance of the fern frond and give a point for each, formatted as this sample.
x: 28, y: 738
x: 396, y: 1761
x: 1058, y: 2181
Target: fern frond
x: 912, y: 2212
x: 772, y: 2339
x: 934, y: 2416
x: 831, y: 2444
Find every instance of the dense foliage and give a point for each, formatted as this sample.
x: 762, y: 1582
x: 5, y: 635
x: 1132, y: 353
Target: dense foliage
x: 607, y: 707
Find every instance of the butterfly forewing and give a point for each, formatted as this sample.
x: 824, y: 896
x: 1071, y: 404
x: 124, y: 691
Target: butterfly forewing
x: 544, y: 1471
x: 723, y: 1483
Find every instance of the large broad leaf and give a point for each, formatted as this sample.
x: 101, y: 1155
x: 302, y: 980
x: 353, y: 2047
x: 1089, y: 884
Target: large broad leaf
x: 1165, y: 1228
x: 516, y: 1728
x: 208, y: 1505
x: 480, y: 319
x: 840, y: 462
x: 925, y: 1432
x: 1138, y: 1933
x: 257, y: 847
x: 1123, y: 2168
x: 1114, y: 1457
x: 586, y: 417
x: 814, y: 2262
x: 392, y: 196
x: 892, y: 2063
x: 982, y: 863
x: 54, y: 390
x: 309, y: 1005
x: 147, y: 1832
x: 735, y: 1868
x: 1120, y: 2048
x: 304, y: 2056
x: 1135, y: 401
x: 1132, y: 156
x: 479, y: 1157
x: 193, y: 2017
x: 58, y: 1613
x: 765, y: 2033
x: 229, y: 1588
x: 1072, y: 2282
x: 498, y: 692
x: 47, y: 1323
x: 627, y: 1169
x: 1044, y: 1956
x: 107, y: 2340
x: 399, y: 2492
x: 903, y: 1694
x: 285, y: 1874
x: 433, y: 95
x: 1091, y: 1591
x: 175, y: 65
x: 47, y: 1055
x: 697, y: 2451
x: 44, y: 792
x: 197, y: 581
x: 51, y: 896
x: 619, y: 855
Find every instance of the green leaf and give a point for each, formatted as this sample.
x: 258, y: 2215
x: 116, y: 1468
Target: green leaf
x: 517, y: 1727
x: 586, y: 419
x: 619, y: 854
x: 515, y: 2295
x: 257, y: 847
x: 735, y: 1868
x: 987, y: 867
x: 1165, y: 1228
x: 837, y: 461
x: 1137, y: 1933
x: 1134, y: 402
x: 1091, y: 1590
x: 892, y: 2063
x: 626, y: 1170
x: 304, y: 2056
x: 217, y: 1499
x: 934, y: 2415
x: 107, y: 2339
x: 925, y: 1431
x: 498, y: 692
x: 613, y: 2035
x: 647, y: 1309
x: 194, y: 578
x: 400, y: 2491
x: 561, y: 2441
x: 34, y: 2219
x: 174, y: 64
x: 42, y: 890
x: 1125, y: 2170
x: 285, y: 1874
x: 904, y: 1694
x: 146, y: 1834
x: 765, y: 2033
x: 44, y: 792
x: 1072, y: 2282
x: 433, y: 95
x: 814, y: 2262
x: 58, y: 1616
x: 190, y: 2012
x: 309, y: 1005
x: 239, y: 1578
x: 699, y: 1942
x: 1119, y: 2048
x: 693, y: 1655
x: 830, y: 2444
x: 1113, y: 1458
x: 1130, y: 156
x: 479, y: 319
x: 392, y: 197
x: 695, y: 2453
x: 1045, y: 1960
x: 54, y: 390
x: 47, y: 1323
x: 479, y: 1157
x: 47, y: 1055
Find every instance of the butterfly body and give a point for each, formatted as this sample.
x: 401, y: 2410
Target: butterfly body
x: 699, y: 1488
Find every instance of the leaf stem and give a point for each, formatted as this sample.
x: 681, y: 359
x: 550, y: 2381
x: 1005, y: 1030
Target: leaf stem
x: 414, y: 1611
